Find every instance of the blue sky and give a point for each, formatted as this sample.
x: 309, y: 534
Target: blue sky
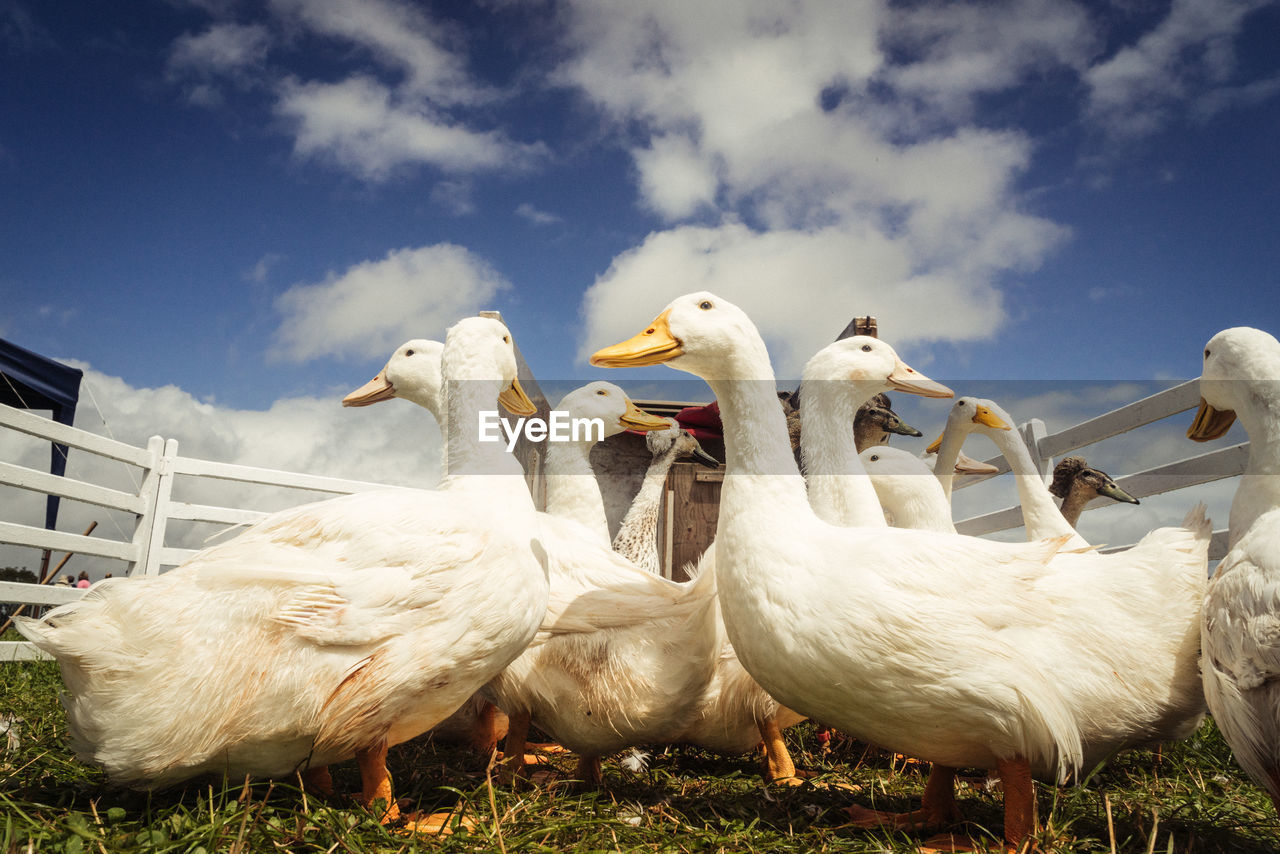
x: 229, y: 213
x: 255, y: 202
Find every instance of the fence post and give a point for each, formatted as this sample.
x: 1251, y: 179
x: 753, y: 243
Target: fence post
x: 1033, y: 434
x: 156, y: 489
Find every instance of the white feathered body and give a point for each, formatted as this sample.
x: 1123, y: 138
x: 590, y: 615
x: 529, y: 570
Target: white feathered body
x: 320, y: 630
x: 963, y: 651
x: 622, y: 654
x: 1241, y: 638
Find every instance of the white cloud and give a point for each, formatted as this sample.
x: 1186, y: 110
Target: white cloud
x: 261, y: 271
x: 394, y: 443
x: 376, y: 305
x: 457, y: 196
x: 958, y: 51
x: 367, y: 127
x: 776, y: 116
x: 1188, y: 56
x: 405, y: 99
x: 396, y: 35
x: 224, y: 48
x: 803, y: 286
x: 675, y: 178
x: 537, y: 216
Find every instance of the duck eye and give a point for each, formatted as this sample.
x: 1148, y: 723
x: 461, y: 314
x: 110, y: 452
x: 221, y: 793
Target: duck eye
x: 866, y: 348
x: 602, y: 392
x: 705, y: 305
x: 875, y: 457
x: 408, y: 352
x: 1206, y: 353
x: 506, y: 339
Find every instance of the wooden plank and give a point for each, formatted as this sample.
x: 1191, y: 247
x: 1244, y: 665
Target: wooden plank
x: 988, y: 523
x: 1191, y: 471
x: 21, y: 651
x: 38, y: 594
x: 66, y: 487
x: 214, y: 514
x: 26, y: 535
x: 173, y: 556
x: 60, y: 434
x: 697, y: 509
x: 1170, y: 477
x: 271, y: 477
x: 1141, y: 412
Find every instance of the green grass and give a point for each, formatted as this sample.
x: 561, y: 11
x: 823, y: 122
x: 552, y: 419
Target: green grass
x: 1189, y: 797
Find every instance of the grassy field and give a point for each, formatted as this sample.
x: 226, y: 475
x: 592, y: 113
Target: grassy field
x: 1190, y: 797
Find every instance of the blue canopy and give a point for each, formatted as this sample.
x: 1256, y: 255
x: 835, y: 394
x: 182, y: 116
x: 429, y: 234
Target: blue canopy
x: 30, y: 381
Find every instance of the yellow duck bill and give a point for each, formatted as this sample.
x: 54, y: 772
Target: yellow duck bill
x: 375, y: 390
x: 652, y: 347
x: 636, y: 418
x: 515, y: 401
x: 1210, y: 423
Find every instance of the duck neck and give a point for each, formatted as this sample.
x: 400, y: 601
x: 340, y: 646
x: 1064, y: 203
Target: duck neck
x: 755, y: 433
x: 1073, y: 505
x: 468, y: 460
x: 944, y: 466
x: 637, y: 538
x: 922, y: 510
x: 840, y: 491
x: 572, y: 489
x: 1040, y: 515
x: 1259, y: 489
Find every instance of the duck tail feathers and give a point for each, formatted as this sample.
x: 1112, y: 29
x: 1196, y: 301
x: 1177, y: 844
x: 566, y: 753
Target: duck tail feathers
x: 1198, y: 522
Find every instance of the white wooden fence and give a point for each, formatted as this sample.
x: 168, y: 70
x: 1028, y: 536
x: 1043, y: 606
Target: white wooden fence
x: 1212, y: 465
x: 144, y: 551
x: 153, y: 506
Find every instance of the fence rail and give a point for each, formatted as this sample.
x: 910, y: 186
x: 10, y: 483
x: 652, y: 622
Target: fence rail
x: 145, y: 550
x: 1207, y: 467
x: 153, y: 506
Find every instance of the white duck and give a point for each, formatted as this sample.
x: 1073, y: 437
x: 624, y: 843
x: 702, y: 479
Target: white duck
x: 909, y: 493
x: 335, y: 629
x: 1241, y: 621
x: 1041, y: 515
x: 699, y: 695
x: 965, y: 415
x: 413, y: 373
x: 876, y: 630
x: 637, y: 538
x: 572, y: 489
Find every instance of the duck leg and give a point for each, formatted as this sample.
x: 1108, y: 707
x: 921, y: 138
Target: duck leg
x: 375, y: 781
x: 513, y: 761
x: 937, y: 809
x: 1019, y: 801
x: 590, y: 772
x: 489, y: 729
x: 778, y: 767
x: 317, y: 780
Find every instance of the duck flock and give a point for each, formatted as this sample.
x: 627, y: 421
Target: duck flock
x: 341, y: 628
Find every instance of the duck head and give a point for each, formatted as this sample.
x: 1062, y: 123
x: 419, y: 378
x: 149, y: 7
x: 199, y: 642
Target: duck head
x: 970, y: 414
x: 1241, y: 366
x: 480, y: 349
x: 412, y: 373
x: 611, y: 405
